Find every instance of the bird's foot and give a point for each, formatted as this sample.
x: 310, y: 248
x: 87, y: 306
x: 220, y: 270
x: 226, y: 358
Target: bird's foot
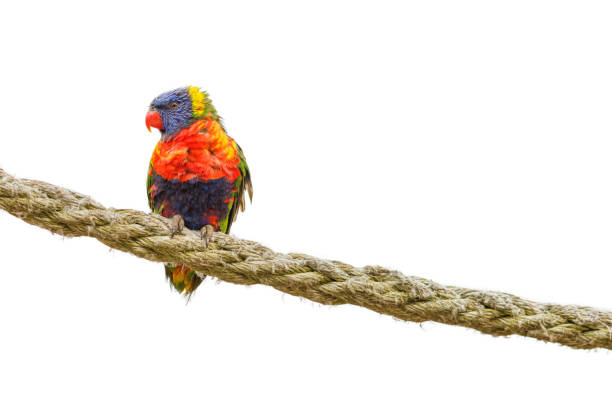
x: 176, y: 225
x: 207, y: 234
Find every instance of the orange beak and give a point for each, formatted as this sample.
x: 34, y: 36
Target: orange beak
x: 154, y: 119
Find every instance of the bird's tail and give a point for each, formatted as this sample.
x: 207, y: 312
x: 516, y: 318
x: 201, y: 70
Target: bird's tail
x: 182, y: 278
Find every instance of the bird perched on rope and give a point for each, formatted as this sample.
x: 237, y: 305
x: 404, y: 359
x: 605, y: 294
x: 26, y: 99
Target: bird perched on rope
x: 197, y: 175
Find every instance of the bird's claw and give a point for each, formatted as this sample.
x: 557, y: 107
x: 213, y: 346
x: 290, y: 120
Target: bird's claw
x: 176, y: 225
x: 207, y: 234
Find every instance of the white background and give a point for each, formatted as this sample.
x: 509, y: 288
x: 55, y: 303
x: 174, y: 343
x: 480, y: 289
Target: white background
x: 466, y: 142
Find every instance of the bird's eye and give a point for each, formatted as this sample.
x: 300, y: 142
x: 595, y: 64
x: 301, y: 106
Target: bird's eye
x: 173, y: 105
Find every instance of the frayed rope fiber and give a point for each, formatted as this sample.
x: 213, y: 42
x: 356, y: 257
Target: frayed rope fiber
x: 234, y: 260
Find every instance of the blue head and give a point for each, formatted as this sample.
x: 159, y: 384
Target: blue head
x: 170, y: 112
x: 178, y: 109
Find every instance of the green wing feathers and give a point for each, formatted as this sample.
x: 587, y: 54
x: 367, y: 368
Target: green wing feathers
x: 149, y: 196
x: 242, y: 183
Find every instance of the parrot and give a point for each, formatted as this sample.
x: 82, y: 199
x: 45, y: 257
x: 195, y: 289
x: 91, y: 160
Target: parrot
x: 197, y: 174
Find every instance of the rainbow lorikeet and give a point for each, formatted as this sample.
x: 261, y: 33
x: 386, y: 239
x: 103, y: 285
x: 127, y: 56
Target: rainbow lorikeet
x: 197, y: 175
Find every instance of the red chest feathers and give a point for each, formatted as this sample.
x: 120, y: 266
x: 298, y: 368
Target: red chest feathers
x: 202, y: 151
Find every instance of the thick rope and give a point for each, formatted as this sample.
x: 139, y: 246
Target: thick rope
x: 234, y: 260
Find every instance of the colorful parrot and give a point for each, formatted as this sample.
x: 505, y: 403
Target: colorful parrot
x: 197, y: 175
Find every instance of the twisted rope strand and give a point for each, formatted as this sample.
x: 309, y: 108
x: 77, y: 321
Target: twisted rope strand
x: 234, y: 260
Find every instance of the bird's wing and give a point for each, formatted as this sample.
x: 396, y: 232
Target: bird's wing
x: 149, y: 185
x: 242, y: 183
